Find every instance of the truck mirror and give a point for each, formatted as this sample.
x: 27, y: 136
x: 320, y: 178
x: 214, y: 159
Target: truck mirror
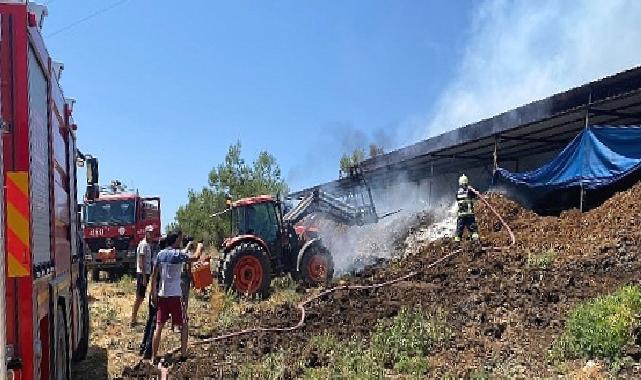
x: 92, y: 171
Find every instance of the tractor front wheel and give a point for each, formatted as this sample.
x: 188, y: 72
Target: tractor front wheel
x: 316, y: 266
x: 247, y: 270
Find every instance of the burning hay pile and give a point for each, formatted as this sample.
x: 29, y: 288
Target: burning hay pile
x: 354, y: 247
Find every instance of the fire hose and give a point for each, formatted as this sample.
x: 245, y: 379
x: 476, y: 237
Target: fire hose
x: 302, y: 304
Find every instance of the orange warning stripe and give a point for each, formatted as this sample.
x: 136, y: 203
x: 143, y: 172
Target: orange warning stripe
x: 18, y: 244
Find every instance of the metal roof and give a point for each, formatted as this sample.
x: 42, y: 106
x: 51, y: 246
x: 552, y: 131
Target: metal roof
x: 538, y: 127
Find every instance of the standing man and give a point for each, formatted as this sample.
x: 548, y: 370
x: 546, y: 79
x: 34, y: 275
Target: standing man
x: 465, y: 197
x: 143, y: 271
x: 150, y: 327
x: 167, y: 292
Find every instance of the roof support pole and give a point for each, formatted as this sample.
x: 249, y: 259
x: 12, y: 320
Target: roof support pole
x: 582, y: 196
x: 495, y: 156
x: 429, y: 197
x: 587, y: 124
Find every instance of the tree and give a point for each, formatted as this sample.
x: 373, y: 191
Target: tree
x: 232, y: 178
x: 375, y: 150
x: 353, y: 159
x: 345, y: 163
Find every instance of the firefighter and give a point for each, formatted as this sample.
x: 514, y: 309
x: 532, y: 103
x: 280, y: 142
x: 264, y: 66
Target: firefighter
x: 465, y: 216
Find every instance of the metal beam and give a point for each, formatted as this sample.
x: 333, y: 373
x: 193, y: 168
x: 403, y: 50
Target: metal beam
x: 463, y: 157
x: 622, y: 115
x: 532, y: 139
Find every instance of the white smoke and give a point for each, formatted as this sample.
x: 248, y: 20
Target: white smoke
x: 517, y: 52
x: 521, y: 51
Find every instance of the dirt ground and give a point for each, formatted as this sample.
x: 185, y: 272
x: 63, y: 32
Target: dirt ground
x: 115, y: 345
x: 505, y: 308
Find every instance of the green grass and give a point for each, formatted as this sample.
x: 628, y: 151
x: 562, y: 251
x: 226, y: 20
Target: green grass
x: 601, y: 327
x: 542, y: 260
x: 412, y: 333
x: 270, y: 368
x: 414, y: 367
x: 401, y: 344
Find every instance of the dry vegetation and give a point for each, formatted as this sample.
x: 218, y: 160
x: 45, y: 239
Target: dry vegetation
x: 114, y: 345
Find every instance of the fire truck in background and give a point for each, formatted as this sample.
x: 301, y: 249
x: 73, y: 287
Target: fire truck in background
x: 114, y: 222
x: 44, y: 319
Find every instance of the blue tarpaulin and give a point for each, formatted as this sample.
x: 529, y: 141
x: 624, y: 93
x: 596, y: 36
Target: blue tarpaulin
x: 598, y: 156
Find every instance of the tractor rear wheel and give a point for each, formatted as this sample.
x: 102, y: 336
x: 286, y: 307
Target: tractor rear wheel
x: 316, y: 266
x: 247, y: 270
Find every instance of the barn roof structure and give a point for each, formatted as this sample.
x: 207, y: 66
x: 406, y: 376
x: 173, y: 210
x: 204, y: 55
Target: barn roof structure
x: 541, y: 126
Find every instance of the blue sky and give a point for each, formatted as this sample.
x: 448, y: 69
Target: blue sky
x: 164, y: 88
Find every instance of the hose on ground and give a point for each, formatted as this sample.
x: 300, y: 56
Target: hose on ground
x: 301, y: 305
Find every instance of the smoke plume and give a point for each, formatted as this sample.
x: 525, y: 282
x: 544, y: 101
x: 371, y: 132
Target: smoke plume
x: 517, y: 52
x: 521, y: 51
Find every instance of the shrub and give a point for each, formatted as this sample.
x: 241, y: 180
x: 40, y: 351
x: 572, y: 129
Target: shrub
x: 541, y: 260
x: 601, y: 327
x: 411, y: 333
x: 357, y: 361
x: 415, y: 367
x: 271, y: 368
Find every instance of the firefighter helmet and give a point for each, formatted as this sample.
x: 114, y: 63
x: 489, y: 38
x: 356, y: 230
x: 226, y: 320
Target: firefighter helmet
x: 462, y: 181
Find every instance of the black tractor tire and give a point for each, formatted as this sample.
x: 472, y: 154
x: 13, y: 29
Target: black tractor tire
x: 247, y: 270
x: 61, y: 356
x: 81, y: 351
x: 316, y: 266
x: 95, y: 275
x: 114, y: 275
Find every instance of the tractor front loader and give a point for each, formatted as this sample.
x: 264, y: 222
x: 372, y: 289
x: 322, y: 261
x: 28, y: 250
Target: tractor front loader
x: 266, y: 242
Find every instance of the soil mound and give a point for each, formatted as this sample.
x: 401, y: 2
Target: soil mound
x: 504, y: 308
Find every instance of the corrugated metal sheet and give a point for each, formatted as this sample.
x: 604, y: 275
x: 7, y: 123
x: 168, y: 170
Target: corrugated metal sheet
x: 39, y: 172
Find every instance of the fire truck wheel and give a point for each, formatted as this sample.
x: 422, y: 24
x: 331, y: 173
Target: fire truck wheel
x: 95, y: 275
x: 247, y: 270
x: 316, y: 266
x: 114, y: 275
x: 61, y: 353
x: 83, y: 345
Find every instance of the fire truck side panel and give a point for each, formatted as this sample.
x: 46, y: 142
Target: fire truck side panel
x: 73, y: 238
x: 61, y: 284
x: 39, y: 173
x: 20, y: 292
x: 39, y: 199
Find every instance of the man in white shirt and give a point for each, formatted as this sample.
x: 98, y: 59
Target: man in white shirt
x: 143, y: 271
x: 166, y: 290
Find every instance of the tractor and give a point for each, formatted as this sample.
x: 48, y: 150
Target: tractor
x: 267, y: 242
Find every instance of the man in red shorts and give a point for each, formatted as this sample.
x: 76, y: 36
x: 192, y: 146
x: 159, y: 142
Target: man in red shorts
x: 167, y: 292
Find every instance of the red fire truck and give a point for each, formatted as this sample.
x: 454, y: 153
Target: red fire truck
x: 113, y: 225
x: 44, y: 319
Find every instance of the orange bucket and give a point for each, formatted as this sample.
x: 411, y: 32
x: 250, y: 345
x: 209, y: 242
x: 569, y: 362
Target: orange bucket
x: 106, y: 254
x: 201, y: 274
